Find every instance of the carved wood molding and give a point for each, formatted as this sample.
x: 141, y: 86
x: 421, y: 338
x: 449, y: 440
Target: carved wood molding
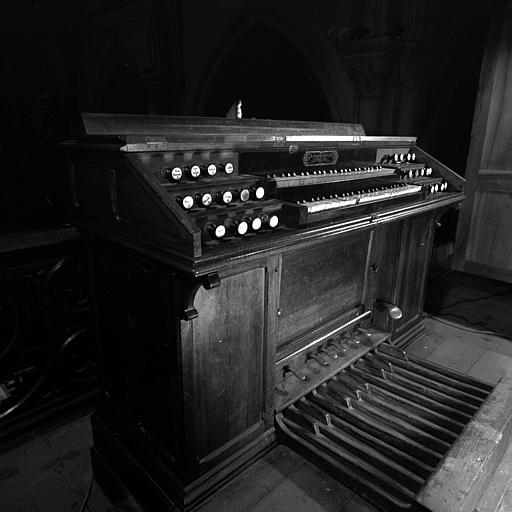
x: 371, y: 63
x: 189, y: 291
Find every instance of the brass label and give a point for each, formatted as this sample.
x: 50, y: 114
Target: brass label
x: 312, y: 158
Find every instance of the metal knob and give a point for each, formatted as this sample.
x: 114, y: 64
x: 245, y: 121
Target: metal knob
x: 319, y: 360
x: 393, y: 310
x: 297, y: 373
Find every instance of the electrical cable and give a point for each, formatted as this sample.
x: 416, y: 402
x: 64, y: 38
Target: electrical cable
x: 475, y: 300
x: 468, y: 329
x: 87, y: 494
x: 470, y: 322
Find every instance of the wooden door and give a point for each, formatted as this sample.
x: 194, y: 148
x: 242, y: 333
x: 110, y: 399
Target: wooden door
x: 413, y: 265
x: 225, y: 368
x: 484, y: 234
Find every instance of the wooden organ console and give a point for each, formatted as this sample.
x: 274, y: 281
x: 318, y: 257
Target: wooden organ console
x: 256, y: 281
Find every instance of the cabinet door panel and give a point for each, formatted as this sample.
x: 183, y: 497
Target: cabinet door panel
x: 414, y: 263
x: 383, y: 281
x: 229, y: 361
x: 320, y: 283
x: 400, y: 257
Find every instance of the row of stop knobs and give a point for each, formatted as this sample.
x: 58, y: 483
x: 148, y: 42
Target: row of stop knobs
x: 222, y: 198
x: 437, y: 187
x: 397, y: 158
x: 193, y: 172
x: 416, y: 173
x: 242, y: 226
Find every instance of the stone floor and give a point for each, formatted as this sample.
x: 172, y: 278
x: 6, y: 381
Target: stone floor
x: 50, y: 471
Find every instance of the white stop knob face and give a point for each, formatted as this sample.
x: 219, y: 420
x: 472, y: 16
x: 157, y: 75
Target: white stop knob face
x: 227, y: 197
x: 244, y: 195
x: 274, y: 221
x: 212, y: 169
x: 176, y: 173
x: 260, y: 193
x: 256, y: 224
x: 220, y: 231
x: 242, y: 228
x: 206, y: 199
x: 229, y: 168
x: 195, y: 171
x: 187, y: 202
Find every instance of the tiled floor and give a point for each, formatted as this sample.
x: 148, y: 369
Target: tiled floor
x: 50, y: 473
x: 473, y: 301
x: 483, y: 356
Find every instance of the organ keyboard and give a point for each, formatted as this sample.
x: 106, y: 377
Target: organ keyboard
x: 331, y: 205
x: 208, y: 185
x: 256, y: 280
x: 305, y: 178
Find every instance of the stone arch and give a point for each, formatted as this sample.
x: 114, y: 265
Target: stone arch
x: 320, y: 62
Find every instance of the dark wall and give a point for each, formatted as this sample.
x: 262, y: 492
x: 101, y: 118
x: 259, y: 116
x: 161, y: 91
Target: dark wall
x: 399, y: 67
x: 270, y: 87
x: 38, y: 104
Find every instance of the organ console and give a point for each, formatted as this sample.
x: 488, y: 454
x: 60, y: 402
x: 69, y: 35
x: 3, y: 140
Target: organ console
x: 256, y: 281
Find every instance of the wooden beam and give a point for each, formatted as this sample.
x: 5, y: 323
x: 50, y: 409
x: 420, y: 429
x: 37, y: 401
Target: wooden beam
x: 459, y: 481
x: 478, y: 137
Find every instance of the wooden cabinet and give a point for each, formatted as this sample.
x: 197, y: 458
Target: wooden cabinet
x: 193, y: 360
x: 194, y: 392
x: 217, y: 291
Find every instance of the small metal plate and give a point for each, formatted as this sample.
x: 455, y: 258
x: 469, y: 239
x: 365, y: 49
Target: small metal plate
x: 315, y: 158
